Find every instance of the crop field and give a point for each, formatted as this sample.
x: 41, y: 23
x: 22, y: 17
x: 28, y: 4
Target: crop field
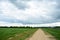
x: 53, y: 31
x: 16, y: 33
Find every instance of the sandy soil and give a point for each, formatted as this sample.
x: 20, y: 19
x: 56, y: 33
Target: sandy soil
x: 40, y: 35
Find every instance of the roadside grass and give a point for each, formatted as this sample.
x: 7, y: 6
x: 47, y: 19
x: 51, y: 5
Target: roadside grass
x: 54, y: 32
x: 16, y: 33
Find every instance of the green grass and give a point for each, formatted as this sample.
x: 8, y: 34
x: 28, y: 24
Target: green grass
x: 53, y: 31
x: 6, y: 33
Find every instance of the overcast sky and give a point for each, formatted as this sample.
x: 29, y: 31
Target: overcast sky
x: 29, y: 11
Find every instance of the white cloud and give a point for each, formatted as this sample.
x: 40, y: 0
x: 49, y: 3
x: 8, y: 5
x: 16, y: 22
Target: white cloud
x: 31, y: 25
x: 36, y: 13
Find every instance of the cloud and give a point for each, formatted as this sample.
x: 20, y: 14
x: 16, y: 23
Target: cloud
x: 29, y: 11
x: 20, y: 4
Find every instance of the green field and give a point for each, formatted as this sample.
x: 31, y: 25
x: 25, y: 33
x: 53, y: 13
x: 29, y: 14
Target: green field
x: 53, y: 31
x: 23, y: 33
x: 16, y: 33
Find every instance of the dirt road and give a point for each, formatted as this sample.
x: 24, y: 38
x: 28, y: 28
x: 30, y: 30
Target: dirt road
x: 40, y: 35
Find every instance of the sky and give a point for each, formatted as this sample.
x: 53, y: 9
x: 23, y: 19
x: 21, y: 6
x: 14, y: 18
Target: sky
x: 29, y: 11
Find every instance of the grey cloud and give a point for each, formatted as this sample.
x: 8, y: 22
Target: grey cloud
x: 20, y: 4
x: 58, y: 7
x: 25, y: 0
x: 1, y: 11
x: 56, y: 12
x: 12, y: 20
x: 4, y: 0
x: 55, y: 15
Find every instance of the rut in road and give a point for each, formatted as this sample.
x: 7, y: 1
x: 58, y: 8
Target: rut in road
x: 39, y: 35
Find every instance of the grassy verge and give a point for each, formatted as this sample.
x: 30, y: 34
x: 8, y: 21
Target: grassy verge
x: 53, y: 31
x: 16, y: 33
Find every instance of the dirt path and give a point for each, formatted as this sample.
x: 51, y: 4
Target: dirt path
x: 40, y: 35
